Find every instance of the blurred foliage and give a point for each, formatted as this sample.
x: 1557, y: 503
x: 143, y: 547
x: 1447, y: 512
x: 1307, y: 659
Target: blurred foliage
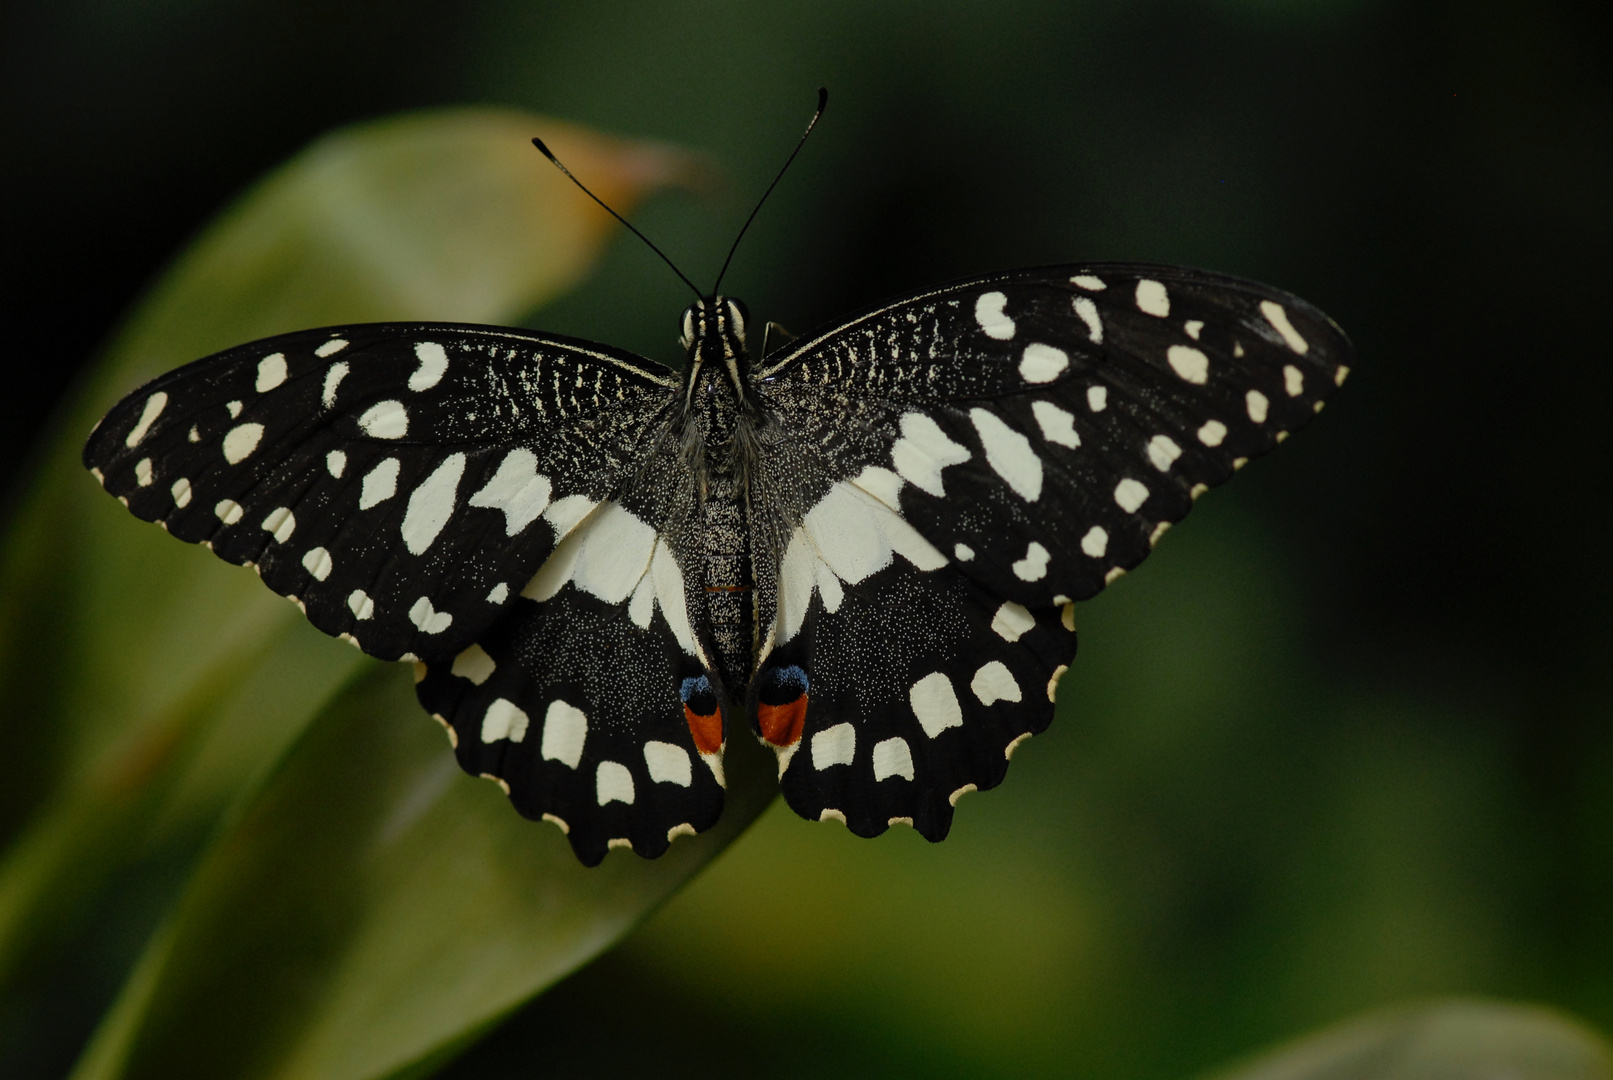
x: 1345, y: 740
x: 1452, y: 1040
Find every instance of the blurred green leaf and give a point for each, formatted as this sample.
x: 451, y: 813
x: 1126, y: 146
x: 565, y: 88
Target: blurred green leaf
x: 1440, y: 1040
x: 155, y: 685
x: 374, y: 908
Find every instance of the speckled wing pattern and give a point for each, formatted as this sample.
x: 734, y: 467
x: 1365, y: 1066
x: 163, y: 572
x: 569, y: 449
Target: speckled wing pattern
x: 953, y: 470
x: 403, y: 483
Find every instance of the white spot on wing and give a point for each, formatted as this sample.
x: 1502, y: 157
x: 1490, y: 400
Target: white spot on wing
x: 500, y: 593
x: 1011, y: 621
x: 993, y: 683
x: 1130, y: 494
x: 614, y: 555
x: 474, y: 664
x: 962, y: 552
x: 385, y: 420
x: 241, y: 441
x: 1163, y: 452
x: 1043, y: 363
x: 892, y: 757
x: 1095, y: 542
x: 607, y: 557
x: 923, y: 451
x: 234, y: 407
x: 1258, y: 405
x: 1152, y: 299
x: 333, y: 378
x: 1097, y: 398
x: 1033, y: 567
x: 989, y: 314
x: 1057, y: 425
x: 380, y: 484
x: 668, y: 763
x: 846, y: 537
x: 1189, y: 363
x: 1193, y: 327
x: 318, y: 562
x: 181, y: 492
x: 433, y: 365
x: 330, y: 348
x: 834, y: 746
x: 882, y: 484
x: 613, y: 783
x: 518, y: 489
x: 1277, y: 315
x: 1293, y: 380
x: 564, y: 728
x: 336, y: 463
x: 504, y: 719
x: 564, y: 515
x: 1212, y: 433
x: 228, y: 511
x: 432, y: 504
x: 1088, y: 311
x: 148, y: 416
x: 271, y: 372
x: 142, y: 472
x: 281, y: 522
x: 935, y: 704
x: 427, y: 619
x: 1009, y: 454
x: 360, y: 605
x: 1088, y: 282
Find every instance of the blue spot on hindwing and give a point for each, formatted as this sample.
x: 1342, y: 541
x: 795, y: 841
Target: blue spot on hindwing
x: 783, y: 684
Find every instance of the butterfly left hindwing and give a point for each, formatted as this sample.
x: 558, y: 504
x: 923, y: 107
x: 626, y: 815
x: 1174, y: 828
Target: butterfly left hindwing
x: 956, y: 468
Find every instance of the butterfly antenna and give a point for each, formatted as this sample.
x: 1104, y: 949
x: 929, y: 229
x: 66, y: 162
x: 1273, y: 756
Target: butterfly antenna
x: 823, y: 103
x: 546, y: 152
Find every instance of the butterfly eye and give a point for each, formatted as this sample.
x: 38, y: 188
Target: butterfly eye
x: 687, y: 340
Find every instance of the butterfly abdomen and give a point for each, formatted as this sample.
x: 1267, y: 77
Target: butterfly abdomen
x: 728, y: 578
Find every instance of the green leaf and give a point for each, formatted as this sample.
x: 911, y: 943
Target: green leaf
x: 155, y: 686
x: 375, y: 907
x: 1441, y: 1040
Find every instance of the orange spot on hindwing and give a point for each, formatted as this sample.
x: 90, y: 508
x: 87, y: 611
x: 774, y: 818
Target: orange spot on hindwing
x: 703, y: 714
x: 782, y: 708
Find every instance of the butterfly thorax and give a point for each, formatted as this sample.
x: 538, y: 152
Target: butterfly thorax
x: 717, y: 416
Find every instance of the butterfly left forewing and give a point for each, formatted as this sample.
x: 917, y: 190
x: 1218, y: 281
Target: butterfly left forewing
x: 1031, y: 434
x: 400, y: 481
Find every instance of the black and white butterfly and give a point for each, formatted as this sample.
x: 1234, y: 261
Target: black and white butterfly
x: 864, y: 546
x: 868, y: 545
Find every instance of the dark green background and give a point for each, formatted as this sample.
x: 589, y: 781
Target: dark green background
x: 1345, y: 740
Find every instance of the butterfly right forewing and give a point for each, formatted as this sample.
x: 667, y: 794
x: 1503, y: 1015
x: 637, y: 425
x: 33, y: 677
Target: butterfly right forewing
x: 965, y: 463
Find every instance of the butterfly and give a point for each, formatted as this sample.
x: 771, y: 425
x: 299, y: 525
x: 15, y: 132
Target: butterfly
x: 863, y: 545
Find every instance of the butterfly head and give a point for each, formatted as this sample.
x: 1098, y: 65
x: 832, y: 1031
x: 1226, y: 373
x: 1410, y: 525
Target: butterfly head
x: 714, y: 333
